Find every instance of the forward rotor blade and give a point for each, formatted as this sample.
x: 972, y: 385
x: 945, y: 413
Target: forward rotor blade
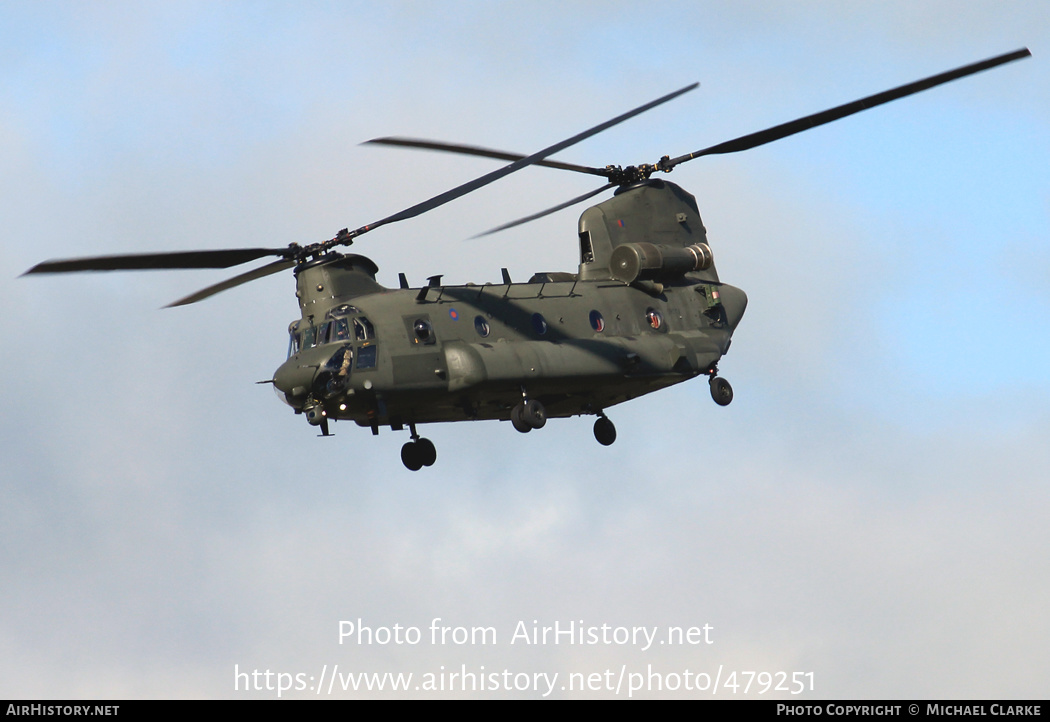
x: 478, y: 151
x: 450, y: 195
x: 541, y: 214
x: 783, y: 130
x: 262, y: 271
x: 152, y: 261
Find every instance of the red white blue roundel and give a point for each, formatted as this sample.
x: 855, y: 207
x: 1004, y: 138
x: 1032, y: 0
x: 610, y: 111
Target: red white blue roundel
x: 597, y: 322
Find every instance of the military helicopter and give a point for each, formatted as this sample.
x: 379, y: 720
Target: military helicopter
x: 644, y: 311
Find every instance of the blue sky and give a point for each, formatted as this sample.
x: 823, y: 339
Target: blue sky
x: 870, y: 508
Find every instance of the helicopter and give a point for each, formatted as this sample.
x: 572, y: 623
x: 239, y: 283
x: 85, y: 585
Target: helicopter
x: 645, y: 310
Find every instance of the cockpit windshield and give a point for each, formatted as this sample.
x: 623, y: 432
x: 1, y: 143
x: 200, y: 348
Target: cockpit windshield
x: 342, y: 330
x: 334, y: 330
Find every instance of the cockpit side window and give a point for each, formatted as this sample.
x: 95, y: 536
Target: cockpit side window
x: 363, y: 329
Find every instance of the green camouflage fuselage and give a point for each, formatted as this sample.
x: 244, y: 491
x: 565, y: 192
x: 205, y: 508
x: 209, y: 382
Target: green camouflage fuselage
x: 621, y: 327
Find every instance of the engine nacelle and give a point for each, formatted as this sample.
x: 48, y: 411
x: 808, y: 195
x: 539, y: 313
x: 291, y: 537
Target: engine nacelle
x: 647, y: 261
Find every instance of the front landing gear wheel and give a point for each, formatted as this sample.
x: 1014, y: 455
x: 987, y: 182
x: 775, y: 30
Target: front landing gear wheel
x: 417, y: 454
x: 517, y: 420
x: 534, y: 414
x: 721, y: 391
x: 604, y: 431
x: 528, y: 415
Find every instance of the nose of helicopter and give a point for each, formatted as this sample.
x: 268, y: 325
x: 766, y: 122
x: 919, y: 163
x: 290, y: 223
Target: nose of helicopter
x: 318, y: 371
x: 292, y: 381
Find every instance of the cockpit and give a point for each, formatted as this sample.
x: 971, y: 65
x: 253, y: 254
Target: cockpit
x: 341, y: 325
x: 321, y: 356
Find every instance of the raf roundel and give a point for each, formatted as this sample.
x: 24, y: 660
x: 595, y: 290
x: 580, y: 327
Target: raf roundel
x: 597, y: 322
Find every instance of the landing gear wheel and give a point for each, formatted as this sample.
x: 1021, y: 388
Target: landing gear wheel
x: 411, y: 456
x: 534, y: 414
x: 721, y: 391
x: 528, y: 415
x: 604, y: 431
x: 518, y: 421
x: 426, y: 452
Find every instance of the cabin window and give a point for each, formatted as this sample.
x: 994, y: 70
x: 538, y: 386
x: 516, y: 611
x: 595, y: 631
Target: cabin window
x: 586, y: 251
x: 481, y: 326
x: 717, y: 316
x: 539, y: 324
x: 423, y: 330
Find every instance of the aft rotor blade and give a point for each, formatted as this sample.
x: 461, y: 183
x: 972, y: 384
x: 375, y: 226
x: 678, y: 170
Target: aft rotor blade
x: 262, y: 271
x: 151, y: 261
x: 478, y: 151
x: 450, y: 195
x: 783, y: 130
x: 541, y: 214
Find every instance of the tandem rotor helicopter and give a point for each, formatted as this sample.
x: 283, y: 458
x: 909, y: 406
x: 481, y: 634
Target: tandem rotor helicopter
x: 645, y: 310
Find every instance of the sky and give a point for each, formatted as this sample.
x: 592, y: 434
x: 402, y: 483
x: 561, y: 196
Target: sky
x: 866, y: 520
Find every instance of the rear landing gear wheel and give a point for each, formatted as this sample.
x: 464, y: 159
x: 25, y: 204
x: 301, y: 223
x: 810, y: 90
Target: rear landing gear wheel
x: 604, y: 431
x: 721, y: 391
x: 427, y: 452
